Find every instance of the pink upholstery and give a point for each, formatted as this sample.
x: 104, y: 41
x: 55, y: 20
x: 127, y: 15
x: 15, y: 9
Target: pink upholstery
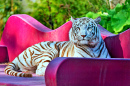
x: 3, y: 54
x: 22, y: 31
x: 118, y: 45
x: 88, y: 72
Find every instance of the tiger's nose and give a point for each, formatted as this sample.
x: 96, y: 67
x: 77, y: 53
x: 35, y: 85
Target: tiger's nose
x: 83, y: 36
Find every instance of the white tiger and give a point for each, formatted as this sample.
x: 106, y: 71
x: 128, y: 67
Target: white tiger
x: 85, y: 42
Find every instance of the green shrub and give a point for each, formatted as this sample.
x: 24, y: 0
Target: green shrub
x: 7, y: 8
x: 115, y: 20
x: 51, y: 13
x: 54, y: 13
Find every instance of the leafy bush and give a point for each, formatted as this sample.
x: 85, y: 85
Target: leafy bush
x: 115, y: 20
x: 54, y: 13
x: 7, y: 8
x: 51, y: 13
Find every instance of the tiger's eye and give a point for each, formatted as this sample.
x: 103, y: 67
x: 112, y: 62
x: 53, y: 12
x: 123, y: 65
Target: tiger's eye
x: 90, y: 29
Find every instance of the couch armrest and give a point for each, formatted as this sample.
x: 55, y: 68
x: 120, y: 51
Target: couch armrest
x: 117, y: 45
x: 88, y: 72
x: 3, y: 54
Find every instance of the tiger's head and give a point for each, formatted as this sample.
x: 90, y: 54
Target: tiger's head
x: 85, y: 31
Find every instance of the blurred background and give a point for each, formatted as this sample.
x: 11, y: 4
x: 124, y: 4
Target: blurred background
x: 115, y: 14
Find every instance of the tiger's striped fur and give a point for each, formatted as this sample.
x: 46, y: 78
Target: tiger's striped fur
x: 85, y: 42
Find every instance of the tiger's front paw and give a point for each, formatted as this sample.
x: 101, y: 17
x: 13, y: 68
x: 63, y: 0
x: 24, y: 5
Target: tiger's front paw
x: 40, y: 72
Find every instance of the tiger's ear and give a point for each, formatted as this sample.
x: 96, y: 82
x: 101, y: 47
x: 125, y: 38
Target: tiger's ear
x: 97, y: 20
x: 72, y: 19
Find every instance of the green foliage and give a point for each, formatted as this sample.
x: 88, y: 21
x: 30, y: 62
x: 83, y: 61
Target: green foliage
x: 54, y: 13
x: 51, y: 13
x: 115, y: 20
x: 7, y: 8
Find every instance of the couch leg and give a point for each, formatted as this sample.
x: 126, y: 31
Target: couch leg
x: 3, y: 54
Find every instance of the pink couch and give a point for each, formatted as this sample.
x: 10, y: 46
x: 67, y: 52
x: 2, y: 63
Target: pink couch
x: 22, y: 31
x: 88, y: 72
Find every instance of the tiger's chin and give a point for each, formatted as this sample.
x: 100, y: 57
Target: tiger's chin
x: 90, y: 44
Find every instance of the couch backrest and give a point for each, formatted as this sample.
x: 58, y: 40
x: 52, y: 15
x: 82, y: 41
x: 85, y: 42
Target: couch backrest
x: 22, y: 31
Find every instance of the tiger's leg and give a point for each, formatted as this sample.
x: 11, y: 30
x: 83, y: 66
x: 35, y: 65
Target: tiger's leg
x: 43, y: 59
x: 42, y: 67
x: 29, y: 70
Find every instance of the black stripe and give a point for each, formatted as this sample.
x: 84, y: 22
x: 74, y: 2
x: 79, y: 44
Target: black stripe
x: 48, y: 56
x: 40, y: 61
x: 80, y: 54
x: 48, y: 44
x: 96, y: 32
x: 12, y: 65
x: 31, y: 61
x: 40, y: 53
x: 25, y: 53
x: 42, y: 46
x: 31, y: 53
x: 8, y: 72
x: 47, y: 61
x: 36, y: 48
x: 46, y: 47
x: 72, y: 51
x: 85, y: 50
x: 6, y: 69
x: 15, y: 74
x: 37, y: 58
x: 64, y: 49
x: 99, y: 46
x: 107, y: 55
x: 101, y: 50
x: 20, y: 61
x: 56, y: 47
x: 20, y: 75
x: 26, y: 61
x: 51, y: 54
x: 63, y: 44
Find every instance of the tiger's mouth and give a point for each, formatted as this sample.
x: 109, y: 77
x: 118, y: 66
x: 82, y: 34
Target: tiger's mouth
x: 89, y: 43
